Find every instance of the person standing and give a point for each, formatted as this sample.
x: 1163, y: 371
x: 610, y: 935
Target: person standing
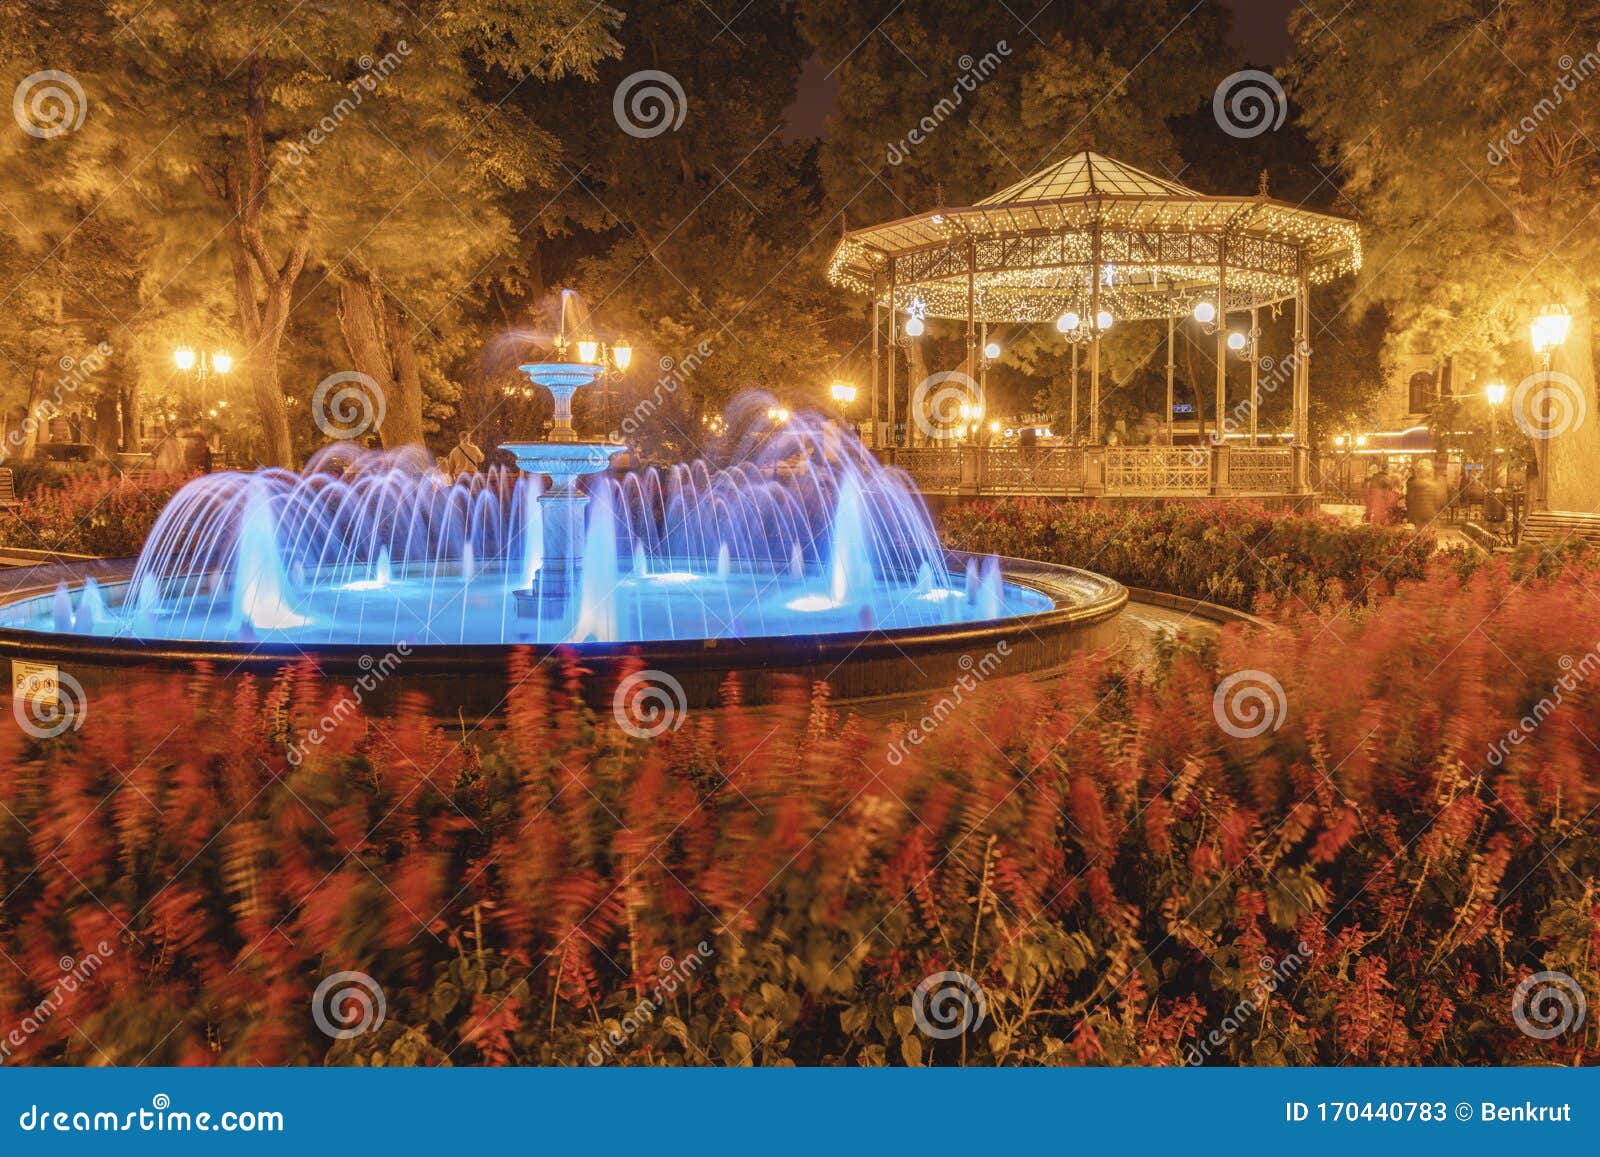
x: 465, y: 458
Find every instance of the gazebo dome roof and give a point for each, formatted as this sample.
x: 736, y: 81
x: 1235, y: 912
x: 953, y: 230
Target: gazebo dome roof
x: 1087, y: 175
x: 1033, y: 249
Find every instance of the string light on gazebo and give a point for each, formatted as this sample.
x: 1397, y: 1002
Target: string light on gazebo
x: 1089, y: 243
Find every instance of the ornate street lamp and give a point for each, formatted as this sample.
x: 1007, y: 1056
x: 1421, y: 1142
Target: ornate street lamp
x: 202, y: 365
x: 1495, y: 394
x: 1549, y: 331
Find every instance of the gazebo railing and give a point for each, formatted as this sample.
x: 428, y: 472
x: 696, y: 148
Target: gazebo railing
x: 1158, y: 469
x: 1017, y: 471
x: 934, y: 469
x: 1112, y: 470
x: 1261, y: 469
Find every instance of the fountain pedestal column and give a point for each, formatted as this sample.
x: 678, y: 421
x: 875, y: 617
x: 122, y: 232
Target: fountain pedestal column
x: 561, y: 508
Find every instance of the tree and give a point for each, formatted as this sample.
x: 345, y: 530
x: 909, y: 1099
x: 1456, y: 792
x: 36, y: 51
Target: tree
x: 1475, y: 173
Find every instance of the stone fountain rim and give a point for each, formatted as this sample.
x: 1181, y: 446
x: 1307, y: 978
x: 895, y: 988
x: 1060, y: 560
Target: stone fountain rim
x: 1052, y: 580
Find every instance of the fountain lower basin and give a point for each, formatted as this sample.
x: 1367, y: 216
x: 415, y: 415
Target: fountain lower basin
x: 1052, y: 613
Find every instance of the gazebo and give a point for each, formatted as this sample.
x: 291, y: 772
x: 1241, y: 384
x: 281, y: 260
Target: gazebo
x: 1088, y: 243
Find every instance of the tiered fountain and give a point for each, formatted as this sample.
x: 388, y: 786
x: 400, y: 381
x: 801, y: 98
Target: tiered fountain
x: 803, y: 555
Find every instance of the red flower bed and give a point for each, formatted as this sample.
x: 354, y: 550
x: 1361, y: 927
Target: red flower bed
x: 105, y: 514
x: 1364, y: 881
x: 1230, y: 553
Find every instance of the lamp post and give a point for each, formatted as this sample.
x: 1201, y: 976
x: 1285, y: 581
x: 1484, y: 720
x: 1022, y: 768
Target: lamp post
x: 1548, y: 333
x: 1495, y: 394
x: 614, y: 358
x: 202, y: 365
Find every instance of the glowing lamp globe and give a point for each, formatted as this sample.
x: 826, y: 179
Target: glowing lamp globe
x: 1205, y: 313
x: 1103, y: 320
x: 914, y: 327
x: 1236, y: 341
x: 1067, y: 322
x: 1549, y: 329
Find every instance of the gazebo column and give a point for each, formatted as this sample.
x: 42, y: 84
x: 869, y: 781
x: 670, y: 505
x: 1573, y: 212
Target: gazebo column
x: 1171, y: 325
x: 890, y: 438
x: 1219, y: 445
x: 1074, y: 435
x: 1255, y: 371
x: 1300, y: 476
x: 877, y: 366
x: 972, y: 334
x: 1094, y: 334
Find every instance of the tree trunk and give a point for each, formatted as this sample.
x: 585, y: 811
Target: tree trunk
x: 105, y: 424
x: 263, y: 370
x: 1571, y: 458
x: 377, y: 334
x: 33, y: 422
x: 130, y: 416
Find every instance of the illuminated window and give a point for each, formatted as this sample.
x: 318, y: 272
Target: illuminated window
x: 1423, y: 392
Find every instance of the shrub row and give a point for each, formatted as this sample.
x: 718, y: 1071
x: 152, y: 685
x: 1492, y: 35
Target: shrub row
x: 1235, y: 554
x: 104, y: 513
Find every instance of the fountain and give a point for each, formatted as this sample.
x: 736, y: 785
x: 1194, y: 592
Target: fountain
x: 799, y: 553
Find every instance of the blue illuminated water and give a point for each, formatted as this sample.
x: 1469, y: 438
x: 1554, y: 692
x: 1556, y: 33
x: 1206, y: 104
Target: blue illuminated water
x: 802, y: 532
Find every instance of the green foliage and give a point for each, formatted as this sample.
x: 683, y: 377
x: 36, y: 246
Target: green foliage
x: 102, y: 513
x: 1230, y: 553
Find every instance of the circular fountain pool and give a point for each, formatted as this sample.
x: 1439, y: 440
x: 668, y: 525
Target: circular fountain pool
x: 801, y: 556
